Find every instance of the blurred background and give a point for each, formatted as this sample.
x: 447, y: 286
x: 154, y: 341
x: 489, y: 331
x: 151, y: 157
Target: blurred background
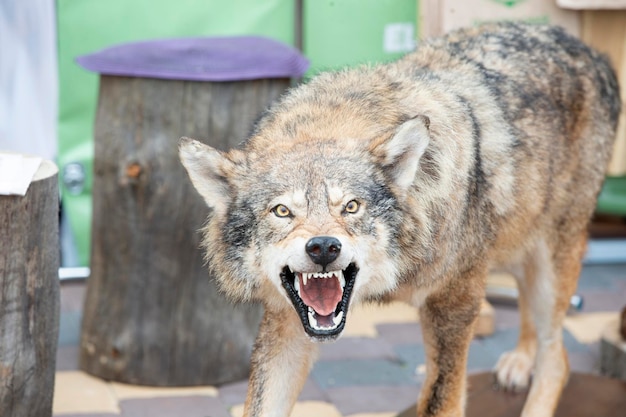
x: 48, y: 102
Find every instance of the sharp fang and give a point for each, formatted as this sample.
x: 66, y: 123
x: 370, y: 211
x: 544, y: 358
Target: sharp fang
x: 338, y: 318
x: 312, y: 320
x: 296, y: 284
x: 342, y: 280
x: 305, y: 278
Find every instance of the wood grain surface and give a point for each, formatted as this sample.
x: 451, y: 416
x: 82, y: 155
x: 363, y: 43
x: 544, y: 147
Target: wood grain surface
x: 152, y: 314
x: 29, y: 296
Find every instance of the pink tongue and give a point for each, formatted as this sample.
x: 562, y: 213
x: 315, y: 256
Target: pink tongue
x: 321, y: 294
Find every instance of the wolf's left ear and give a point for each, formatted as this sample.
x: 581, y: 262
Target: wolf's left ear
x: 209, y: 170
x: 401, y: 153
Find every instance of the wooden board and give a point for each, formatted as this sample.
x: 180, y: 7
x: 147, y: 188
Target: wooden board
x: 591, y: 4
x: 439, y: 16
x: 605, y: 30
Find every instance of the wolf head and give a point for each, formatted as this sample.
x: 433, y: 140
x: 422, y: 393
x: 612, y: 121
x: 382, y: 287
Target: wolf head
x: 307, y: 222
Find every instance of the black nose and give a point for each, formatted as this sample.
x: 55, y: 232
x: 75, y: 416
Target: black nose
x: 323, y: 250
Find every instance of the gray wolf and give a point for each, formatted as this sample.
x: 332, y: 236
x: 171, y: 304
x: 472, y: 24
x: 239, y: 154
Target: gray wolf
x: 409, y: 181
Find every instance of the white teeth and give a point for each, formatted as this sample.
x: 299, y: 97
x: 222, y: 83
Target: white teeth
x: 337, y: 319
x: 313, y: 322
x: 306, y: 276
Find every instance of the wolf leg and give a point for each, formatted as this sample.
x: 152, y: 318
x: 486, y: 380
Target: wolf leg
x: 281, y: 360
x: 447, y: 319
x: 557, y: 269
x: 514, y: 368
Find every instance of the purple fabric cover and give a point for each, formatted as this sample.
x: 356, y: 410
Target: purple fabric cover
x: 199, y: 59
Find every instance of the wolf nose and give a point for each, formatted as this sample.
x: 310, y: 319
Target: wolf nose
x: 323, y: 249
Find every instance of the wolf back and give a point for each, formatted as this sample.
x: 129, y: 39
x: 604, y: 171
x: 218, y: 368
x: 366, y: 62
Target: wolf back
x: 510, y: 114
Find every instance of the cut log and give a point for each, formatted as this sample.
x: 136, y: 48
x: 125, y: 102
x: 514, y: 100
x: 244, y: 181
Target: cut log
x: 613, y: 350
x: 152, y: 314
x: 29, y: 296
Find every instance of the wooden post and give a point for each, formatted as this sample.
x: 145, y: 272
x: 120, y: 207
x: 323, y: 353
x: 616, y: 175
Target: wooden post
x: 152, y: 314
x: 613, y: 349
x: 29, y: 296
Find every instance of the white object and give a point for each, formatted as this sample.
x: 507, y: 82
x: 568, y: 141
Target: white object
x: 17, y: 172
x: 591, y: 4
x: 28, y: 77
x: 399, y: 37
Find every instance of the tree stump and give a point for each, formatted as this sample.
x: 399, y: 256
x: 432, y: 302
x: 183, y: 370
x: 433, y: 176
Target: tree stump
x: 29, y: 296
x: 613, y: 349
x: 152, y: 316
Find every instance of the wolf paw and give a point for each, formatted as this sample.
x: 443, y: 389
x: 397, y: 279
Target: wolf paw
x: 513, y: 370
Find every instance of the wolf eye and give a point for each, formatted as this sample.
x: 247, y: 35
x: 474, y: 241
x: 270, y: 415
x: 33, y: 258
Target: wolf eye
x: 352, y: 207
x: 281, y: 211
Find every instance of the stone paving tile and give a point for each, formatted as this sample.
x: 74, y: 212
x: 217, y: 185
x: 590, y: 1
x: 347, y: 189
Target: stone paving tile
x: 193, y: 406
x: 233, y: 393
x: 588, y: 327
x: 393, y: 414
x: 484, y: 353
x: 356, y: 348
x: 373, y: 399
x: 400, y: 333
x: 504, y: 340
x: 480, y: 358
x: 302, y: 409
x: 602, y: 277
x: 312, y: 391
x: 362, y: 321
x: 375, y: 370
x: 77, y: 392
x: 585, y: 362
x: 131, y: 392
x: 602, y: 301
x: 332, y: 374
x: 594, y: 350
x: 411, y: 355
x: 506, y: 317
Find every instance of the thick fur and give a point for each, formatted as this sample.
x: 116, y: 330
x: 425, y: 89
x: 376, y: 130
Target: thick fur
x: 485, y: 148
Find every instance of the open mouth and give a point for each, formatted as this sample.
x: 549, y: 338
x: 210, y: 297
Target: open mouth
x: 321, y: 299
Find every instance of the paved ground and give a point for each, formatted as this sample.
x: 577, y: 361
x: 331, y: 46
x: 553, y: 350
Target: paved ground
x: 375, y: 370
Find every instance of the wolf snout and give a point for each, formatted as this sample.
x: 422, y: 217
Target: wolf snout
x: 323, y: 250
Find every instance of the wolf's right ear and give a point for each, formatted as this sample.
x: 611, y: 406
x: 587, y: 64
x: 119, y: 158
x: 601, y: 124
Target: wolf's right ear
x: 208, y: 169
